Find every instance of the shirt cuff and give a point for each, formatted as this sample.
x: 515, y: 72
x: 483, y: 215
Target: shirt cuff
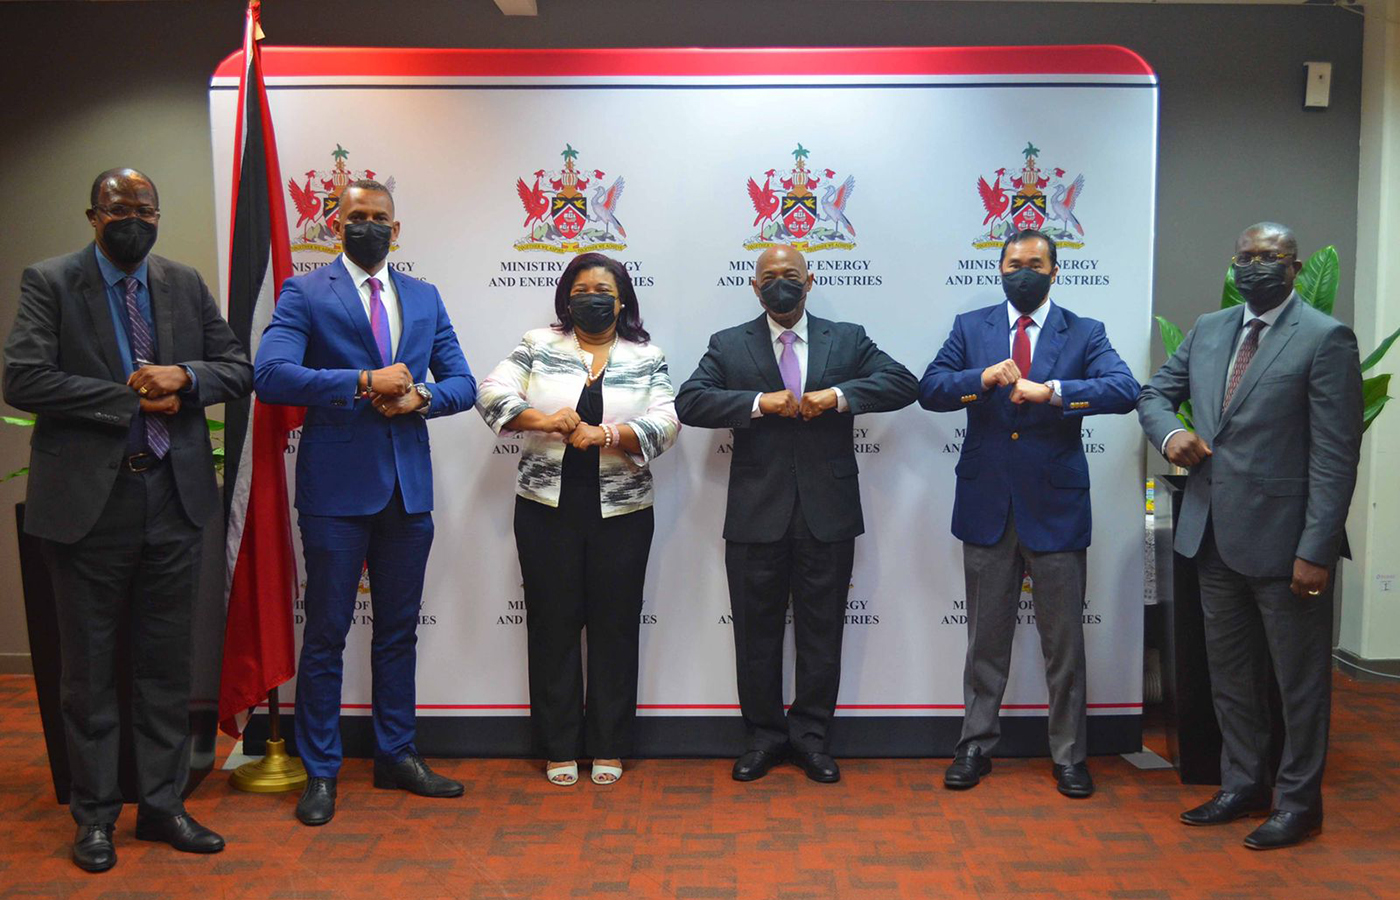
x: 194, y: 381
x: 841, y: 404
x: 1163, y: 449
x: 1055, y: 398
x: 756, y: 413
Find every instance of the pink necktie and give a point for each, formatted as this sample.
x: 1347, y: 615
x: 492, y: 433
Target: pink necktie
x: 379, y: 323
x: 787, y: 364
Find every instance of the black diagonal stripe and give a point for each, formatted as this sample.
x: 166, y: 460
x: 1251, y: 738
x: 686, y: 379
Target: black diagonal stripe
x: 250, y: 252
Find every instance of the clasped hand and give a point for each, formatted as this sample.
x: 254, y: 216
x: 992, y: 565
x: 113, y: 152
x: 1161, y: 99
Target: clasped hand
x: 1007, y: 374
x: 158, y: 387
x: 579, y: 434
x: 788, y: 405
x: 391, y: 391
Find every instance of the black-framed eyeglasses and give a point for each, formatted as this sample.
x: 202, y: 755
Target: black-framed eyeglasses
x: 1254, y: 259
x: 121, y: 211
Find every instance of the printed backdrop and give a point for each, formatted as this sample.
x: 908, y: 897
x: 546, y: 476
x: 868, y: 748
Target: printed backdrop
x: 896, y: 171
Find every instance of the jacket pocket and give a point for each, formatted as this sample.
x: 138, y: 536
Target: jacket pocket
x: 1284, y: 487
x: 1066, y: 477
x: 845, y: 467
x: 325, y: 434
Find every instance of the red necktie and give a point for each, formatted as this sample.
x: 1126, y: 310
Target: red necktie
x: 1021, y: 348
x: 1243, y: 359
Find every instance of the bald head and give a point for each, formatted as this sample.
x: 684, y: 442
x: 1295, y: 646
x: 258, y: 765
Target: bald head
x: 1275, y: 235
x: 121, y: 180
x: 782, y: 257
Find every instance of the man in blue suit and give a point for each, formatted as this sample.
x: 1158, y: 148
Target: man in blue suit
x: 353, y: 342
x: 1022, y: 501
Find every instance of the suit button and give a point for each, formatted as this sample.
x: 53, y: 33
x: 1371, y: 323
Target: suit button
x: 792, y: 468
x: 1015, y: 435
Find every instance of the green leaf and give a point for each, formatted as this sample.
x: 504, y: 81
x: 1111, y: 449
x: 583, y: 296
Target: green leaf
x: 214, y: 424
x: 1231, y: 295
x: 1317, y: 282
x: 15, y: 420
x: 1379, y: 352
x: 1185, y: 416
x: 15, y: 474
x: 1374, y: 396
x: 1171, y: 335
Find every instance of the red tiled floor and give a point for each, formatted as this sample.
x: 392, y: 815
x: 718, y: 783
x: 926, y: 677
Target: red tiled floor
x: 683, y: 829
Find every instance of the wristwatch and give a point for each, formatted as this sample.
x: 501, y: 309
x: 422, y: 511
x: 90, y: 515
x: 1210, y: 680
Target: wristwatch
x: 426, y: 394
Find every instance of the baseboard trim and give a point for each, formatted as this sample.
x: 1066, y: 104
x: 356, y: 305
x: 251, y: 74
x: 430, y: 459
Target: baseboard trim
x: 1363, y: 669
x: 16, y: 664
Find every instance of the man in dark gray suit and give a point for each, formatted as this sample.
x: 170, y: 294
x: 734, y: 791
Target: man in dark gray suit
x: 117, y: 352
x: 790, y: 386
x: 1275, y: 387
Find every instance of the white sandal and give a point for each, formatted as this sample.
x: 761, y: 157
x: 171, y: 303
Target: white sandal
x: 599, y: 771
x: 563, y: 776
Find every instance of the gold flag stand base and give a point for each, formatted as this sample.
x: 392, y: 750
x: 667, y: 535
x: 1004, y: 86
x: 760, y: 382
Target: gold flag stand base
x: 275, y: 773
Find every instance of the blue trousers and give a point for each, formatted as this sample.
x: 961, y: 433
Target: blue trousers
x: 394, y: 544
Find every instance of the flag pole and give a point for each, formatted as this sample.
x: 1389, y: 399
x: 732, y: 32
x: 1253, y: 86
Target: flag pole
x: 276, y: 772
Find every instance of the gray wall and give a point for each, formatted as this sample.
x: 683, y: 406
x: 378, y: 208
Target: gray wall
x: 92, y: 85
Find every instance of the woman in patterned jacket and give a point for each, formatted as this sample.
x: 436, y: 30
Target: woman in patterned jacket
x: 594, y: 399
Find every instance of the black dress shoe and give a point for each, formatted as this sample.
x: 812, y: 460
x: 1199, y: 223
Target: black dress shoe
x: 966, y: 770
x: 317, y: 803
x: 413, y: 775
x: 1074, y: 780
x: 1284, y: 829
x: 1227, y: 807
x: 754, y: 764
x: 92, y: 848
x: 181, y: 832
x: 818, y: 766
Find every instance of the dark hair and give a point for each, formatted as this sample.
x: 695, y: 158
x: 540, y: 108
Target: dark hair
x: 122, y: 174
x: 629, y: 321
x: 369, y: 184
x: 1030, y: 234
x: 1275, y: 229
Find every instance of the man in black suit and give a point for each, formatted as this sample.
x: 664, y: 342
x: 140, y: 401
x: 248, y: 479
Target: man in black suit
x: 117, y: 352
x: 790, y: 385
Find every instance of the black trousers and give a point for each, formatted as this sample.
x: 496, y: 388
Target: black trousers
x: 1248, y: 622
x: 762, y: 577
x: 134, y: 575
x: 582, y: 571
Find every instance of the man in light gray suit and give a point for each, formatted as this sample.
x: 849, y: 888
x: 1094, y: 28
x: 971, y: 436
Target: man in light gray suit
x: 1276, y: 392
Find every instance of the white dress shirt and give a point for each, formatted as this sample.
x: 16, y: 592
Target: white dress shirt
x: 387, y: 295
x: 1038, y: 316
x: 799, y: 347
x: 1268, y: 318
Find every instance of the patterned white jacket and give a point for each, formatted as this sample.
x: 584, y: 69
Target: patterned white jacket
x: 546, y: 373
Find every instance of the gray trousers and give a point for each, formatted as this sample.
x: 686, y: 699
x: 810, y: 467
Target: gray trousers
x: 993, y: 574
x: 1247, y: 622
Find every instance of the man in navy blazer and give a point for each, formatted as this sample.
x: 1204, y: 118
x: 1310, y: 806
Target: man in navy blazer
x: 353, y: 342
x: 1022, y: 499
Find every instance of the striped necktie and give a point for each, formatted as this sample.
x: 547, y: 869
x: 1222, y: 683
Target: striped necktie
x: 143, y: 346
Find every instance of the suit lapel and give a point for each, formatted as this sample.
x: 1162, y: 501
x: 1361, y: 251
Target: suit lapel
x: 818, y: 351
x: 349, y: 295
x: 1274, y: 341
x: 162, y: 311
x: 996, y: 337
x: 760, y: 346
x: 411, y: 312
x: 94, y: 292
x: 1048, y: 345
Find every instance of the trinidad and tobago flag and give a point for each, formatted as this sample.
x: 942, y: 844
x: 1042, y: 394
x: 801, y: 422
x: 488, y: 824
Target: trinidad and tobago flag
x: 262, y: 573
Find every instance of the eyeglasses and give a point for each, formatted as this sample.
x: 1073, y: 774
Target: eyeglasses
x: 1254, y: 259
x: 119, y: 211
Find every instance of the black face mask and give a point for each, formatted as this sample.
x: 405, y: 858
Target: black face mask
x: 367, y: 243
x: 1264, y: 285
x: 1025, y: 288
x: 593, y: 313
x: 127, y: 241
x: 781, y: 295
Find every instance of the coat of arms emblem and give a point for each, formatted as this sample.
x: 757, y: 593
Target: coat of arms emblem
x: 317, y: 202
x: 1021, y: 203
x: 561, y: 216
x: 810, y: 213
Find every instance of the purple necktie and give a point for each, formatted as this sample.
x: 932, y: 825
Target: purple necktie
x: 379, y: 322
x: 143, y: 346
x: 787, y: 364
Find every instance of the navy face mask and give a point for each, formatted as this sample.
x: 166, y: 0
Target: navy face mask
x: 1025, y: 288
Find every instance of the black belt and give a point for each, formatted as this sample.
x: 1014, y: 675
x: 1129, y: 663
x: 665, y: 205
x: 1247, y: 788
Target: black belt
x: 141, y: 462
